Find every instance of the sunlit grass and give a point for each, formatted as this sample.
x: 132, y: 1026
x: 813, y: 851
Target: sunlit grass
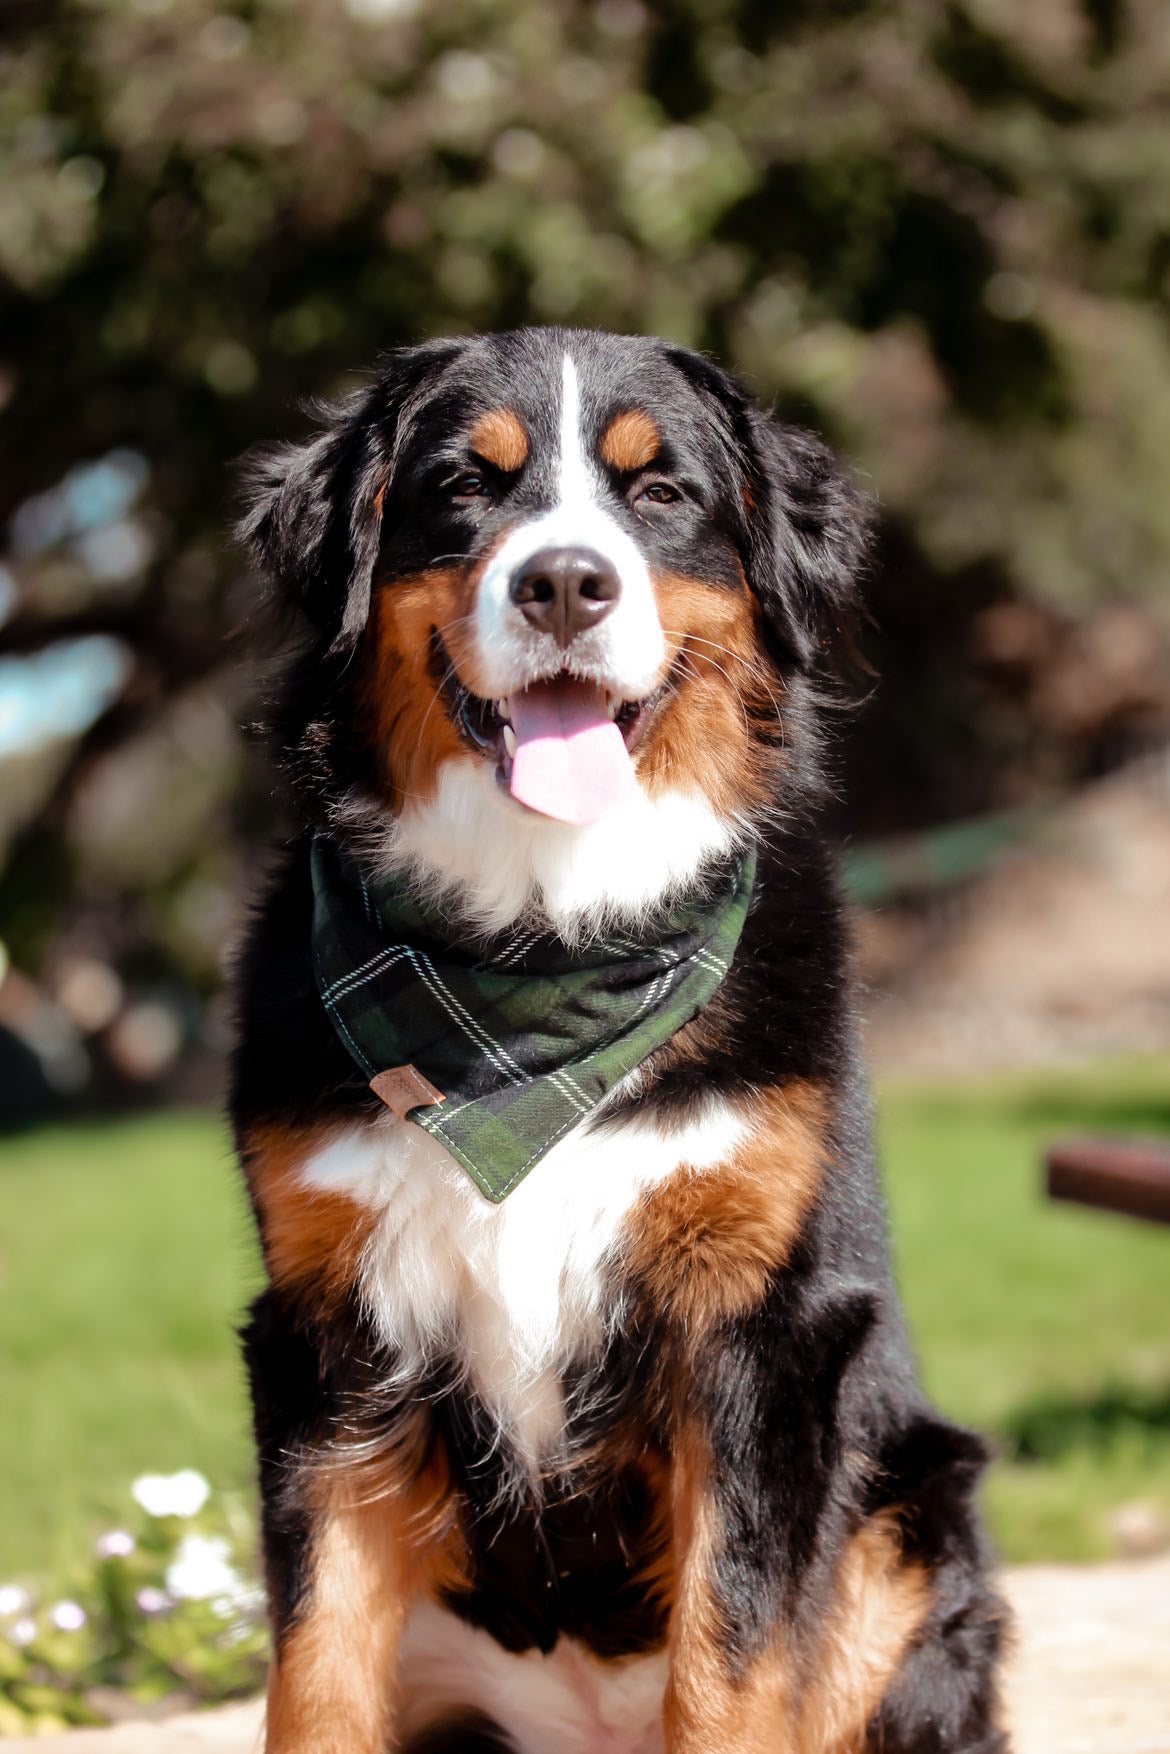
x: 1046, y: 1325
x: 126, y: 1259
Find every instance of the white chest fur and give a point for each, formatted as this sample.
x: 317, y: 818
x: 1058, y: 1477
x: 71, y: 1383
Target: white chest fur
x: 564, y: 1703
x: 516, y: 1292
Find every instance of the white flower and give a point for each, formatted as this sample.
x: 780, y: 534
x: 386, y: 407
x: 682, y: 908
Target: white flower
x: 182, y: 1494
x: 201, y: 1569
x: 115, y: 1544
x: 67, y: 1616
x: 13, y: 1600
x: 23, y: 1632
x: 152, y: 1601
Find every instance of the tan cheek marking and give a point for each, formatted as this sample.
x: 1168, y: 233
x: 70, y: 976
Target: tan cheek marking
x: 313, y: 1241
x: 704, y: 1245
x: 407, y: 716
x: 703, y: 740
x: 500, y: 439
x: 330, y: 1688
x: 882, y: 1602
x: 630, y: 441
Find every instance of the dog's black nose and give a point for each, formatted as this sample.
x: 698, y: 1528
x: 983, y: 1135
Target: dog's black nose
x: 563, y: 591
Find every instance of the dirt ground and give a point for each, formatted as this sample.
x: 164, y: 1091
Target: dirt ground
x: 1090, y: 1675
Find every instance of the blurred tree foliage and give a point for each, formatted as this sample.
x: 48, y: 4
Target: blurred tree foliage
x: 939, y: 230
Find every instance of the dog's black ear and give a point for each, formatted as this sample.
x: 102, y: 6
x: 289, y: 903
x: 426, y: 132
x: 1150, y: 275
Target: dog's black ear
x: 313, y: 517
x: 805, y: 525
x: 808, y: 535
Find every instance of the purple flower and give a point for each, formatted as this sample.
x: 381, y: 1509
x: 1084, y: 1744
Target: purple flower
x: 115, y: 1544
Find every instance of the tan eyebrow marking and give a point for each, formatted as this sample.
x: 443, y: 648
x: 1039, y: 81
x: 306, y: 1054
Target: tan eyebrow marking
x: 630, y: 441
x: 500, y: 439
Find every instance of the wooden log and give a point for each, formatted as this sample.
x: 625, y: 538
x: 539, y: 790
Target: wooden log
x: 1115, y: 1175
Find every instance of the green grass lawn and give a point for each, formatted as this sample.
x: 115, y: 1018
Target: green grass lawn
x: 126, y: 1258
x: 1047, y: 1326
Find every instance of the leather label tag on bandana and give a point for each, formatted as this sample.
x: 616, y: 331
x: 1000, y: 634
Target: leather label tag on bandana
x: 403, y: 1088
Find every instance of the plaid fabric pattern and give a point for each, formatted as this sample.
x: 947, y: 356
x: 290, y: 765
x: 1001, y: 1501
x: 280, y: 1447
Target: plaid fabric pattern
x: 522, y: 1035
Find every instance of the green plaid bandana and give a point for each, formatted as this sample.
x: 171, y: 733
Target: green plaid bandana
x: 522, y: 1037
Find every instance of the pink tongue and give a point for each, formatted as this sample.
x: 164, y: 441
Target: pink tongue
x: 571, y: 760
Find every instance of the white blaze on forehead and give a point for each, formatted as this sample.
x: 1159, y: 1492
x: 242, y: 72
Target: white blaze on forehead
x: 627, y: 649
x: 578, y: 481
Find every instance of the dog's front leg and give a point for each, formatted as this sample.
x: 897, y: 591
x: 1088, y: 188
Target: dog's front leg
x: 330, y: 1682
x: 352, y: 1537
x: 719, y: 1696
x: 793, y: 1606
x: 829, y: 1590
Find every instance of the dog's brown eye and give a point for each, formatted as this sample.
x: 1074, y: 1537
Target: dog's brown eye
x: 469, y: 485
x: 660, y: 493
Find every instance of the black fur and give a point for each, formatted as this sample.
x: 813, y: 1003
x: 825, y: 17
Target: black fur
x: 312, y: 519
x: 804, y: 544
x: 471, y: 1734
x: 809, y: 1403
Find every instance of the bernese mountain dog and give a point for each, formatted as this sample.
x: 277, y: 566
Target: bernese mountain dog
x: 586, y: 1414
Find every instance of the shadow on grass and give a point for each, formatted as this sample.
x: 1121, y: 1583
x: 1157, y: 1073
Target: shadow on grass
x: 1046, y: 1429
x: 1062, y: 1107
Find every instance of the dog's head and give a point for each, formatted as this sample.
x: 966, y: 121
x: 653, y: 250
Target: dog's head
x: 566, y: 591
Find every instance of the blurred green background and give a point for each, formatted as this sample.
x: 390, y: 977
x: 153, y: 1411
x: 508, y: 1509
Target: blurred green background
x: 940, y: 233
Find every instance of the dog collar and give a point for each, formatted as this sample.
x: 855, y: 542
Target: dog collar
x: 497, y: 1047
